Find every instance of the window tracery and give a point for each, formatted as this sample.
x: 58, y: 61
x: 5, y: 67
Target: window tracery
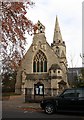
x: 40, y: 62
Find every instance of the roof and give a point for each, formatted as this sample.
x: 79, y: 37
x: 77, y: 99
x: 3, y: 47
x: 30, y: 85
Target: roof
x: 42, y: 76
x: 62, y: 82
x: 63, y: 55
x: 54, y: 67
x: 37, y: 76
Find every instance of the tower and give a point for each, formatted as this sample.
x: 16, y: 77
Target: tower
x: 59, y: 48
x: 58, y: 44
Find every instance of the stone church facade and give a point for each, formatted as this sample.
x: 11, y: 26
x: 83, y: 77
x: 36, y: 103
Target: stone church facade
x: 43, y: 69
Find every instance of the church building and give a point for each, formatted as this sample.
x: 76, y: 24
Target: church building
x: 43, y: 69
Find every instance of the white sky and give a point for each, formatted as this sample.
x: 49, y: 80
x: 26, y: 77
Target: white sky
x: 69, y: 14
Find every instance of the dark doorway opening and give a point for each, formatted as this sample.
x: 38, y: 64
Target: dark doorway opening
x: 39, y: 89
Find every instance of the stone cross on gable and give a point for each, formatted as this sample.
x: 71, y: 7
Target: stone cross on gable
x: 39, y: 28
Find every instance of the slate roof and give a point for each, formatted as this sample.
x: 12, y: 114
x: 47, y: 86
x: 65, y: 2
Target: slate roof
x: 42, y: 76
x: 54, y: 67
x: 62, y: 82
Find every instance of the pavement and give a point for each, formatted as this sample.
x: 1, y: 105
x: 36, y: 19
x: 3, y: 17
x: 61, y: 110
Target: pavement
x: 18, y: 102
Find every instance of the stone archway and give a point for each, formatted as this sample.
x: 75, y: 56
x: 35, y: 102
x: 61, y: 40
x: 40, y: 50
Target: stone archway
x: 39, y: 89
x: 62, y: 85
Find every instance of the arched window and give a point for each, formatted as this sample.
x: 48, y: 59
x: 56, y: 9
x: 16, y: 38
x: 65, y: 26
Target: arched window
x: 41, y: 66
x: 57, y: 50
x: 40, y: 62
x: 45, y: 66
x: 34, y: 66
x: 38, y: 70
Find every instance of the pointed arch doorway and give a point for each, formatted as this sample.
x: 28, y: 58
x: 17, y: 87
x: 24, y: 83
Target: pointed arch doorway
x: 38, y: 89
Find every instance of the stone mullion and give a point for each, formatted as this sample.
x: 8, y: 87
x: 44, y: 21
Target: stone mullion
x: 39, y: 65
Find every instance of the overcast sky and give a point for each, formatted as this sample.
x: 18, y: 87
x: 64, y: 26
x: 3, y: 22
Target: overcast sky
x: 69, y: 14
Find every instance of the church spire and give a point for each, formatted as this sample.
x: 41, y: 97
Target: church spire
x: 57, y: 33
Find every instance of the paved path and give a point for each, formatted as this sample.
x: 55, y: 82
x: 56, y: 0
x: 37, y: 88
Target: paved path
x: 18, y: 102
